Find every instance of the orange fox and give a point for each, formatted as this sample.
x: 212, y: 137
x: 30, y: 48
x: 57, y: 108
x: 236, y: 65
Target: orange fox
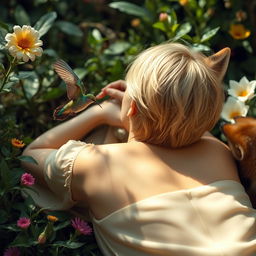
x: 241, y: 138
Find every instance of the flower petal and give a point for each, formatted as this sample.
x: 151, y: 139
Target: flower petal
x: 24, y: 43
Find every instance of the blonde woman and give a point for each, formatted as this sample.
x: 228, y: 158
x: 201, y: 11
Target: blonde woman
x: 171, y: 189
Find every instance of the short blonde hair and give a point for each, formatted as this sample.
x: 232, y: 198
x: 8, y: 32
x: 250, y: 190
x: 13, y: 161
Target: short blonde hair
x: 178, y: 96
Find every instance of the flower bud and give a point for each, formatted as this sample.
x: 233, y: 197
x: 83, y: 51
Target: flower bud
x: 227, y: 4
x: 241, y: 15
x: 42, y: 238
x: 163, y: 16
x: 52, y: 218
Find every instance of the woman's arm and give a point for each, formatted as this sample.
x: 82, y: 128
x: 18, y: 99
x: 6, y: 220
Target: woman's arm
x: 54, y: 138
x: 73, y: 129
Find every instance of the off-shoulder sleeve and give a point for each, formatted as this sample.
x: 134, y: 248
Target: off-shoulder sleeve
x: 58, y: 174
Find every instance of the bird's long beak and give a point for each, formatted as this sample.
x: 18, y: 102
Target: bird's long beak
x: 97, y: 103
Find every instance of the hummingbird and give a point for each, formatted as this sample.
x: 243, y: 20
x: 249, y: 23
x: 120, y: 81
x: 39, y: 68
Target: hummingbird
x: 78, y: 100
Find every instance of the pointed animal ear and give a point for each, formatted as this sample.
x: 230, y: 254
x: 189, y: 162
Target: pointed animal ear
x: 237, y: 151
x: 219, y: 61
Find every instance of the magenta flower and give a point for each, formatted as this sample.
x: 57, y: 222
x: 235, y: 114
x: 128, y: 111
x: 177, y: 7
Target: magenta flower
x: 13, y: 251
x: 27, y: 179
x: 23, y: 222
x: 81, y: 226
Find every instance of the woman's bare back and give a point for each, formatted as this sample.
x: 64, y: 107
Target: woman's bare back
x: 116, y: 175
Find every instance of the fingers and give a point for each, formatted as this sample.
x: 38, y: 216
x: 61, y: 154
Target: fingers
x: 115, y: 90
x: 119, y: 85
x: 116, y: 94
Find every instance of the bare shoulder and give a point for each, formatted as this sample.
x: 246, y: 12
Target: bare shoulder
x: 220, y: 157
x: 212, y: 143
x: 92, y: 170
x: 87, y: 165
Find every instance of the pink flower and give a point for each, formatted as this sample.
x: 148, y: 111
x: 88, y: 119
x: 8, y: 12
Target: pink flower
x: 81, y: 226
x: 13, y: 251
x: 27, y: 179
x: 23, y: 222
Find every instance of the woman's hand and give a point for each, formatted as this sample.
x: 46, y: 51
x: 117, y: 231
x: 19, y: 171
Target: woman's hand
x: 114, y: 90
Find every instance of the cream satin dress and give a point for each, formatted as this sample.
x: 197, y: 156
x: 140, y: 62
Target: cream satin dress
x: 209, y: 220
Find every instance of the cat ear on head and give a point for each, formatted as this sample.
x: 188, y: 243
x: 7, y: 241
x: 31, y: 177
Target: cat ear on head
x: 219, y: 61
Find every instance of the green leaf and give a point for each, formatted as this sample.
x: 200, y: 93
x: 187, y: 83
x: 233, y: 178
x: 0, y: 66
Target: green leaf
x: 5, y: 173
x: 5, y: 151
x: 132, y: 9
x: 54, y: 93
x: 69, y: 28
x: 183, y: 30
x: 160, y: 25
x: 3, y: 216
x: 246, y: 44
x: 51, y: 53
x: 45, y: 23
x: 21, y: 16
x: 117, y: 48
x: 28, y: 159
x: 97, y: 35
x: 24, y: 75
x: 22, y: 240
x: 31, y: 83
x: 201, y: 48
x: 61, y: 225
x: 4, y: 26
x: 208, y: 35
x: 81, y: 72
x: 173, y: 18
x: 2, y: 38
x: 68, y: 244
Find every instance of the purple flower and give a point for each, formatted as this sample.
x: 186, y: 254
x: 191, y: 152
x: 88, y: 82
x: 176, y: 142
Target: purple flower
x: 13, y: 251
x: 27, y: 179
x: 81, y: 226
x: 23, y: 222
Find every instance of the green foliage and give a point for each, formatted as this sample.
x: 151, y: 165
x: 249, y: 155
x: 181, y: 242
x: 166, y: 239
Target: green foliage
x: 98, y: 39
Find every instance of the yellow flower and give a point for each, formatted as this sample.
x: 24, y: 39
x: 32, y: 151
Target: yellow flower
x: 135, y: 22
x: 238, y: 31
x: 24, y: 43
x: 52, y: 218
x: 183, y: 2
x: 17, y: 143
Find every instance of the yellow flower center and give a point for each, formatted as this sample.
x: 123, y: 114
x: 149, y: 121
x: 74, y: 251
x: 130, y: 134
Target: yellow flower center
x: 243, y: 93
x: 25, y: 40
x: 234, y: 114
x: 24, y: 43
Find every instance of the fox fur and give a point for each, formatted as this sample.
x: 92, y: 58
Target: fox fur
x: 241, y: 137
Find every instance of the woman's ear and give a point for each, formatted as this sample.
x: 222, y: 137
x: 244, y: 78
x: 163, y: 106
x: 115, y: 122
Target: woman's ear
x: 133, y: 109
x: 219, y: 61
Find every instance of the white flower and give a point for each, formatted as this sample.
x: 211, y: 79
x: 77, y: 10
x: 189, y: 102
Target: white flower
x: 24, y: 43
x: 232, y: 108
x: 243, y: 90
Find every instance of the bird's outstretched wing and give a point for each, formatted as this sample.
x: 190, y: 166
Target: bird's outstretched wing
x: 69, y: 77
